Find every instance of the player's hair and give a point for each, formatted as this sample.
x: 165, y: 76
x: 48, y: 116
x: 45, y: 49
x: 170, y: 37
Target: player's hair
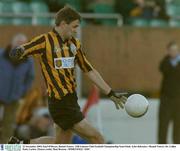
x: 66, y: 14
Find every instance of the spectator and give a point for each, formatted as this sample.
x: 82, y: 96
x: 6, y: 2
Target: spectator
x: 124, y: 8
x: 31, y: 101
x: 16, y: 79
x: 170, y: 95
x: 39, y: 125
x: 162, y: 12
x: 31, y: 114
x: 145, y: 9
x: 54, y: 5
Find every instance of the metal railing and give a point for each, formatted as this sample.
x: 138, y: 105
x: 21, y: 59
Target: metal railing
x: 104, y: 16
x: 51, y: 16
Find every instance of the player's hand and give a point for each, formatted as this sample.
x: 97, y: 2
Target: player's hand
x: 16, y: 53
x: 119, y: 100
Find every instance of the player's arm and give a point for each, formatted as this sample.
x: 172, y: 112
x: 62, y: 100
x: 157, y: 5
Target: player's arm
x: 34, y: 47
x: 96, y: 78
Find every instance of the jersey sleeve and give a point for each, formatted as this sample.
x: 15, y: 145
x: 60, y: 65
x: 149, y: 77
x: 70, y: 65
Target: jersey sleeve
x: 81, y: 59
x: 35, y: 47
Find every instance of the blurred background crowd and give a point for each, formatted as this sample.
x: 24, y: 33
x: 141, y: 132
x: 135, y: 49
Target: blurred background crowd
x: 133, y: 12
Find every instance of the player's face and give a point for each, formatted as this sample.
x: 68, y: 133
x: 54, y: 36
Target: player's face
x: 71, y: 29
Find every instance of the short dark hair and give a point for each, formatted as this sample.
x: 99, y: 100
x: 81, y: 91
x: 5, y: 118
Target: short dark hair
x: 66, y: 14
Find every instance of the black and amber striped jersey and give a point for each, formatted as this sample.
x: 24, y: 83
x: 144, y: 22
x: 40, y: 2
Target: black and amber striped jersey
x: 57, y: 59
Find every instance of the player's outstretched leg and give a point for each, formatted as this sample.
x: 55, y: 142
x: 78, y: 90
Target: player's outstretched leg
x: 88, y: 132
x: 83, y: 129
x: 63, y: 136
